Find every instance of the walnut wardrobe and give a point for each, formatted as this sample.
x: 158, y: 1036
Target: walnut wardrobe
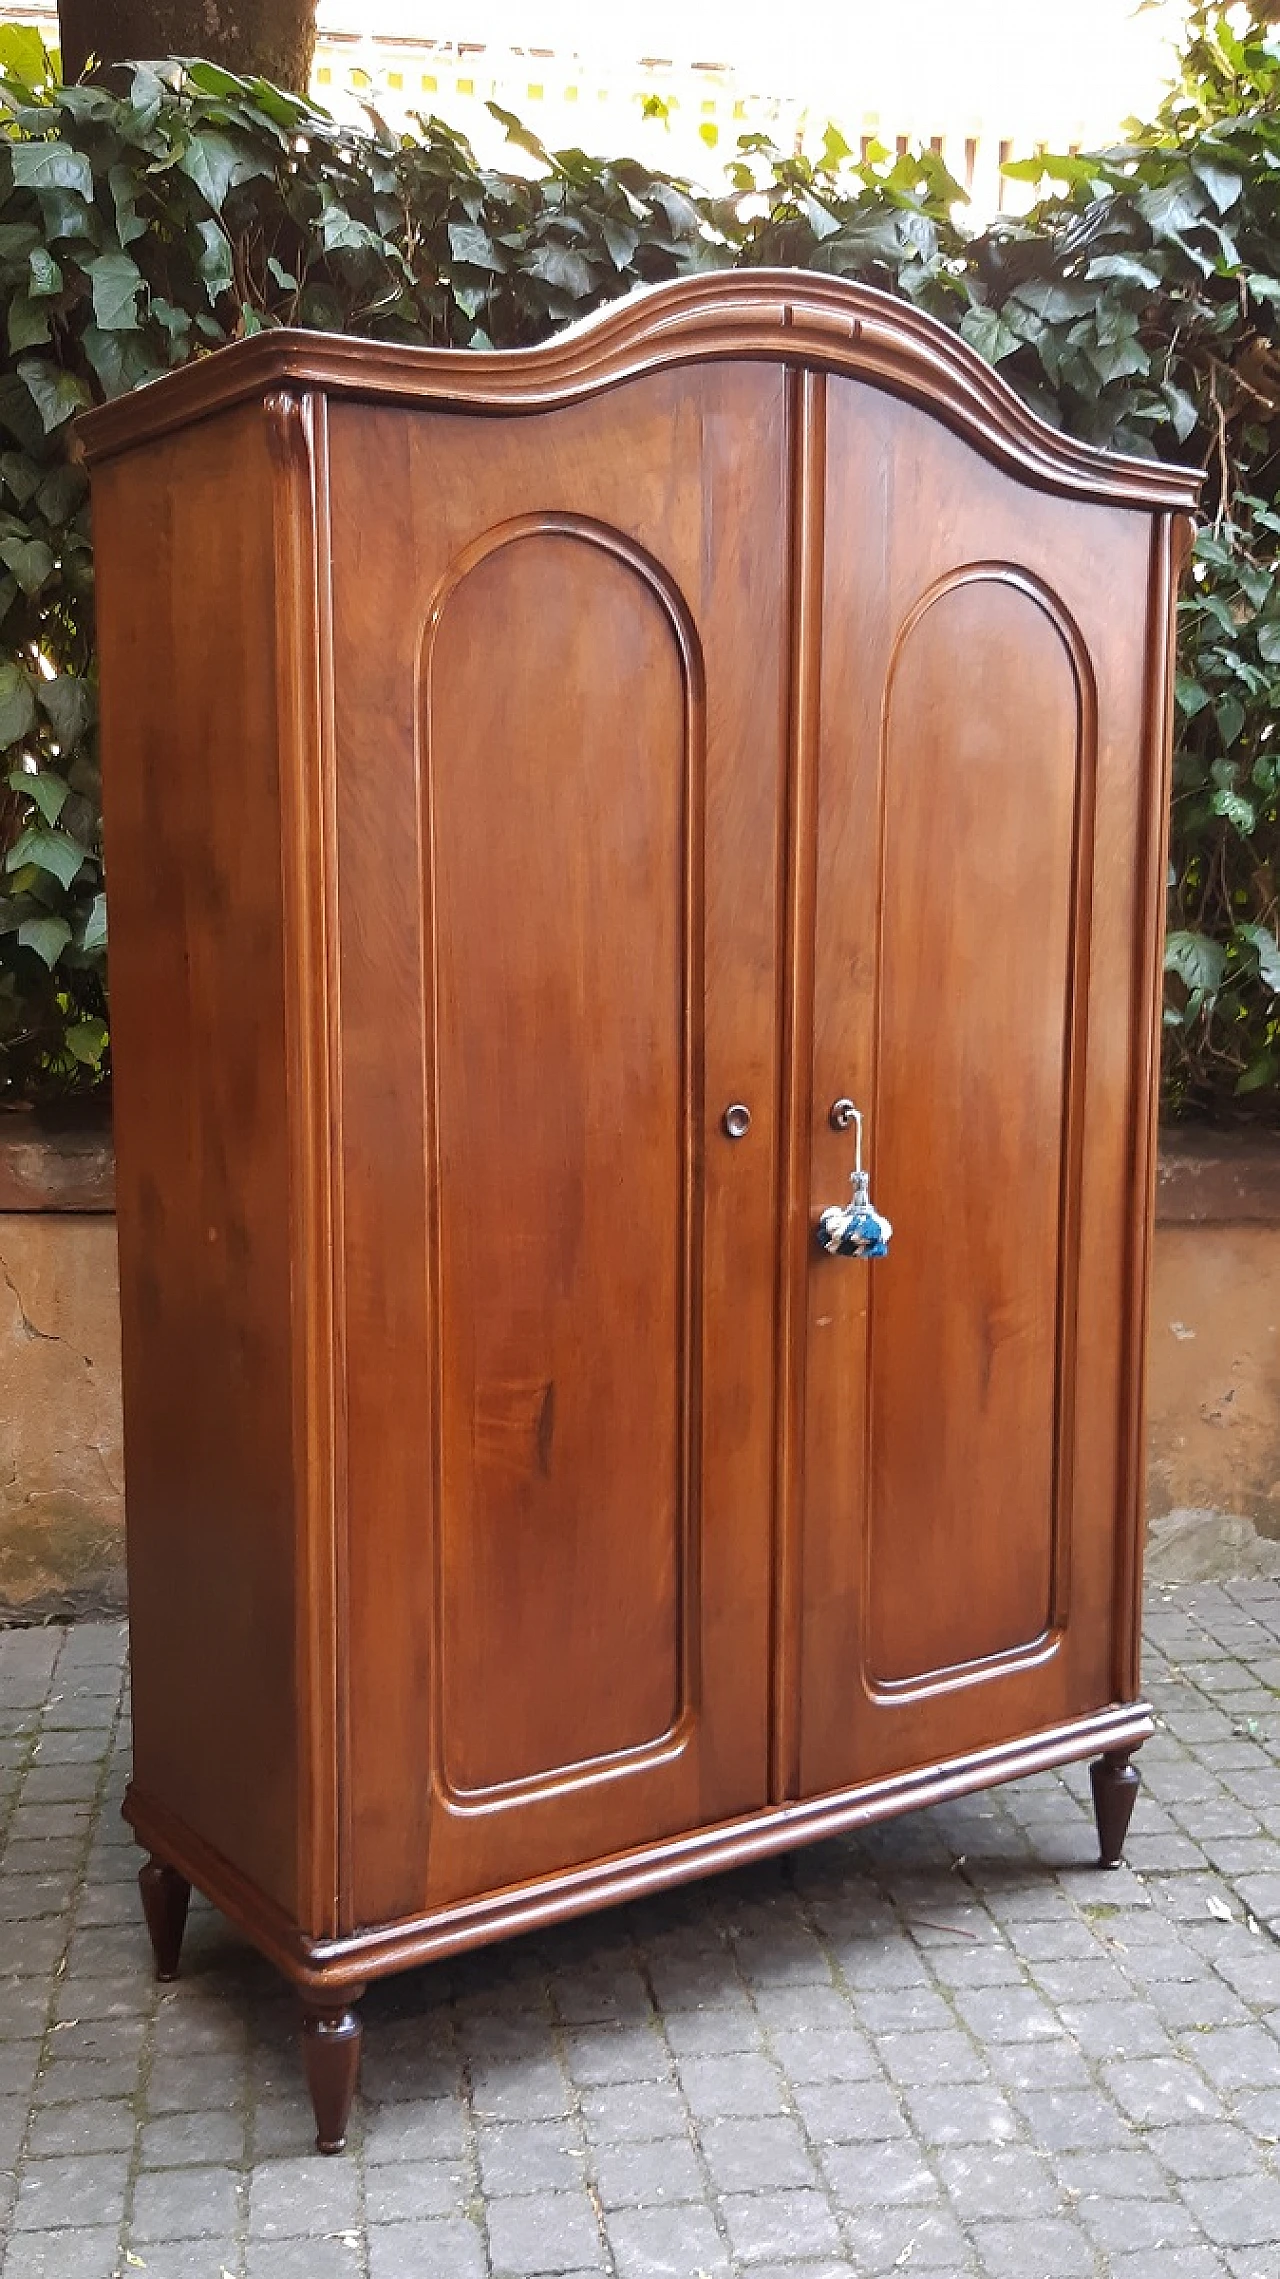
x: 560, y: 805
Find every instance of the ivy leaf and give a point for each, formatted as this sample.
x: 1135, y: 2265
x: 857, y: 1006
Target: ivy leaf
x: 51, y: 166
x: 19, y: 476
x: 48, y: 937
x: 216, y: 164
x: 470, y: 242
x: 985, y: 329
x: 28, y: 324
x: 211, y: 79
x: 1269, y: 641
x: 1196, y: 959
x: 522, y: 136
x: 70, y: 703
x: 117, y: 281
x: 51, y: 851
x: 1235, y: 808
x: 30, y: 561
x: 47, y: 790
x: 561, y: 266
x: 1260, y: 1074
x: 94, y: 936
x: 821, y: 220
x: 1124, y: 268
x: 86, y: 1041
x: 17, y: 705
x: 214, y: 263
x: 44, y: 275
x: 56, y: 394
x: 1170, y: 208
x: 1183, y: 410
x: 621, y: 240
x: 22, y: 54
x: 129, y: 225
x: 67, y: 216
x: 1223, y: 184
x: 1189, y: 696
x: 146, y: 100
x: 1229, y: 714
x: 1268, y: 949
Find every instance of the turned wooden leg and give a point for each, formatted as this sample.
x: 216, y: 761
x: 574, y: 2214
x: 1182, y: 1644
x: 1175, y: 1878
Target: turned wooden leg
x: 331, y: 2038
x: 165, y: 1898
x: 1115, y: 1787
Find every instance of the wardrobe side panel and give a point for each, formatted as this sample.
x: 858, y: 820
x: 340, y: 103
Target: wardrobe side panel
x: 184, y: 542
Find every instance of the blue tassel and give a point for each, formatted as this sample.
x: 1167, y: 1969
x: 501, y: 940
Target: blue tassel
x: 859, y: 1230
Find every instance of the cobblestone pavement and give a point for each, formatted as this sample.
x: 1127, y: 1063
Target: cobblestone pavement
x: 948, y: 2046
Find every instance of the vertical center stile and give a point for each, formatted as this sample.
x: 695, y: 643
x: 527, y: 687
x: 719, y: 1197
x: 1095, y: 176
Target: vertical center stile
x: 807, y: 406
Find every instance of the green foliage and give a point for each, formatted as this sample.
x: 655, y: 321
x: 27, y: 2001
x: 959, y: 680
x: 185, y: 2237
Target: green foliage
x: 138, y: 230
x: 1137, y: 305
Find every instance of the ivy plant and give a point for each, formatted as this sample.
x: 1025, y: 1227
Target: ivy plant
x: 1137, y: 305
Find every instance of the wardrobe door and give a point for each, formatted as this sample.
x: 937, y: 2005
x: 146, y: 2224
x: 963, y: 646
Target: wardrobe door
x: 558, y: 834
x: 980, y: 851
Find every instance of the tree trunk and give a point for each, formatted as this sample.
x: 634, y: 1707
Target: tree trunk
x: 273, y: 39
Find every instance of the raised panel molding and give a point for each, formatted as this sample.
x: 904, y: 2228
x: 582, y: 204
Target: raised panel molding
x: 582, y: 804
x: 990, y: 950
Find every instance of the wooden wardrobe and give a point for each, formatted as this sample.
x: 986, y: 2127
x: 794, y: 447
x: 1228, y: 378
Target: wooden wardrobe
x: 547, y: 794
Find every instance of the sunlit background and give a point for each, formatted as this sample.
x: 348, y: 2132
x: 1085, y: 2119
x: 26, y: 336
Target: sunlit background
x: 678, y: 81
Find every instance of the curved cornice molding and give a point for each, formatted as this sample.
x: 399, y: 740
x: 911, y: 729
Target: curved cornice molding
x: 791, y: 316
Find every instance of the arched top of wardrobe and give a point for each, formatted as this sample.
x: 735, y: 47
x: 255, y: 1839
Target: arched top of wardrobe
x: 790, y: 316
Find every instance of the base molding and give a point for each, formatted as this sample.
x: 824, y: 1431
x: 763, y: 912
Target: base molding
x: 351, y: 1960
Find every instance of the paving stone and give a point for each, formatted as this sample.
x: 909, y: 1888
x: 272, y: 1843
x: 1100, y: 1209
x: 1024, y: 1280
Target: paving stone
x: 77, y: 2188
x: 664, y: 2243
x: 1243, y: 2057
x: 1044, y: 2248
x: 337, y: 2259
x: 713, y: 2032
x: 189, y: 2140
x: 890, y: 2240
x: 194, y: 2085
x: 765, y: 2225
x: 1119, y: 2224
x: 982, y: 2114
x: 409, y: 2191
x: 1162, y: 2089
x: 107, y: 2126
x: 757, y: 2155
x: 636, y: 2111
x: 184, y: 2203
x: 865, y: 2112
x: 1199, y: 2262
x: 535, y: 2091
x: 544, y: 2232
x: 891, y: 2176
x: 995, y: 2181
x: 728, y: 2088
x: 1236, y: 2211
x: 291, y: 2199
x: 91, y: 2252
x: 528, y: 2156
x: 205, y: 2258
x: 918, y: 2060
x: 600, y: 2054
x: 649, y: 2175
x: 433, y: 2130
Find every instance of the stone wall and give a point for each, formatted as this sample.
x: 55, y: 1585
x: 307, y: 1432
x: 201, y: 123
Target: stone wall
x: 1213, y: 1397
x: 61, y: 1481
